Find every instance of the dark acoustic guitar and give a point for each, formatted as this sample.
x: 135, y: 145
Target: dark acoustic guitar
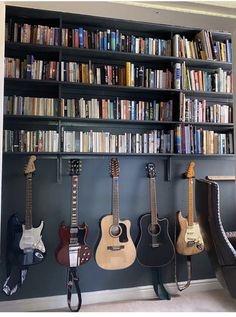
x: 73, y: 250
x: 154, y: 248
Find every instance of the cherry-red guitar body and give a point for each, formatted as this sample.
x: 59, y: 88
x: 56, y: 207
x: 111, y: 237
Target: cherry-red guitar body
x: 84, y: 252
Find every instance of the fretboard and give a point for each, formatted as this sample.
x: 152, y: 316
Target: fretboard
x: 28, y: 212
x: 74, y: 201
x: 115, y: 200
x: 153, y: 200
x: 190, y: 202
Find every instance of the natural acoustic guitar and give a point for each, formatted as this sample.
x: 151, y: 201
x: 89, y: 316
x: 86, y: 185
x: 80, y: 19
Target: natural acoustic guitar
x: 190, y: 240
x: 155, y: 247
x: 73, y: 250
x: 116, y: 249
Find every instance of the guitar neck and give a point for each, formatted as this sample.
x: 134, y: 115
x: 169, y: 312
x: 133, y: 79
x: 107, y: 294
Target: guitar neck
x: 190, y: 202
x: 74, y: 201
x: 115, y: 200
x: 153, y: 200
x: 28, y: 212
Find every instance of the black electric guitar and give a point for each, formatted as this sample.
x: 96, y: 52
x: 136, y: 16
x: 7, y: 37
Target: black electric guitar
x: 25, y: 241
x: 154, y: 248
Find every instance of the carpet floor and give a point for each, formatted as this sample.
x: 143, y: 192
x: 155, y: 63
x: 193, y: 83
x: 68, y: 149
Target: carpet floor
x: 207, y: 301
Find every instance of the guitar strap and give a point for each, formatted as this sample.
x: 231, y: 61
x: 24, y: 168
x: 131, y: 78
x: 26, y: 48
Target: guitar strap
x: 72, y: 278
x: 189, y: 267
x: 14, y: 280
x: 16, y: 273
x: 158, y: 286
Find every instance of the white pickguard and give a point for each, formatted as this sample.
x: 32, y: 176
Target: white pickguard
x: 32, y: 238
x: 193, y: 234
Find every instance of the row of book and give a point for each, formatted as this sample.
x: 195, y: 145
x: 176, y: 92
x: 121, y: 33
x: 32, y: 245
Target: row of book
x: 201, y: 111
x: 217, y: 81
x: 34, y: 34
x: 30, y: 68
x: 118, y: 109
x: 128, y: 75
x: 202, y: 47
x: 30, y: 141
x: 189, y: 110
x: 193, y: 140
x: 31, y: 106
x: 200, y: 80
x: 114, y: 41
x: 184, y: 139
x: 156, y: 141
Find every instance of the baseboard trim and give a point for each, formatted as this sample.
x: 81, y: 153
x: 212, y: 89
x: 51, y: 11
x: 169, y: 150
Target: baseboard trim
x: 114, y: 295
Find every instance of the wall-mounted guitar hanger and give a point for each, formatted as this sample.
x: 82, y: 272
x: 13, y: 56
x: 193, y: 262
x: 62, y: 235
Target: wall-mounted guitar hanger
x: 221, y: 178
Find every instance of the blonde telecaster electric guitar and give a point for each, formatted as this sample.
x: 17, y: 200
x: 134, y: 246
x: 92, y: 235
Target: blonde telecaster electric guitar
x: 190, y: 240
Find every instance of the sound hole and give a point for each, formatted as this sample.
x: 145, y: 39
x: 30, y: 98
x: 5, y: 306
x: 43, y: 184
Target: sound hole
x: 154, y: 229
x: 115, y: 231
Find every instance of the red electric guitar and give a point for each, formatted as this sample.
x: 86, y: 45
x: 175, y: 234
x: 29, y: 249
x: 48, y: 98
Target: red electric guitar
x: 73, y: 250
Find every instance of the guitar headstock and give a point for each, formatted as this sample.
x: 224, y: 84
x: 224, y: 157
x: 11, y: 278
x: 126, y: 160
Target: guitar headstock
x: 30, y: 167
x: 75, y: 167
x: 151, y: 170
x: 190, y: 170
x: 115, y: 169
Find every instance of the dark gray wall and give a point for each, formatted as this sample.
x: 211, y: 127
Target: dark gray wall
x: 51, y: 202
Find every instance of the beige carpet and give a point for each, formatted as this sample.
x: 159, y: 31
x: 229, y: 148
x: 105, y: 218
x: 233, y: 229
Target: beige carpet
x: 207, y: 301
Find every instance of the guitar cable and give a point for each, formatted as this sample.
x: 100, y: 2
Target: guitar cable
x: 189, y: 266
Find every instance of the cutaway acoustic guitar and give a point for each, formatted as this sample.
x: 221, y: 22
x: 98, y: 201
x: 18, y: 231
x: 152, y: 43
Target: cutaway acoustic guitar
x: 116, y: 249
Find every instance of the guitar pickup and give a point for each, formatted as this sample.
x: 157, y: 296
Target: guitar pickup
x: 115, y: 248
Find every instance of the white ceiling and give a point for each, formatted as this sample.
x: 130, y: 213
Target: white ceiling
x: 225, y: 9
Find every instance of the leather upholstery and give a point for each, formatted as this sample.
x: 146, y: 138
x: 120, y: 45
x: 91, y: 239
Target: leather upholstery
x: 219, y: 248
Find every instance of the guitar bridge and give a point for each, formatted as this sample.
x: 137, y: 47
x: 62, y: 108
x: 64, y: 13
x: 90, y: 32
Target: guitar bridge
x: 115, y: 248
x: 190, y: 243
x: 74, y: 256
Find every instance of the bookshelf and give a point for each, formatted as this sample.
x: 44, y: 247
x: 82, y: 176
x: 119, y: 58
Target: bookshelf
x: 58, y: 89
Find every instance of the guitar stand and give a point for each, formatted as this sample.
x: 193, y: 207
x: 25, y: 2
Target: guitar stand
x: 158, y: 286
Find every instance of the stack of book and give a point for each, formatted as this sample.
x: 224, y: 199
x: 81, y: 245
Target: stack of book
x: 34, y: 34
x: 114, y: 41
x: 30, y: 106
x: 156, y: 141
x: 31, y: 68
x: 192, y: 140
x: 202, y: 111
x: 30, y: 141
